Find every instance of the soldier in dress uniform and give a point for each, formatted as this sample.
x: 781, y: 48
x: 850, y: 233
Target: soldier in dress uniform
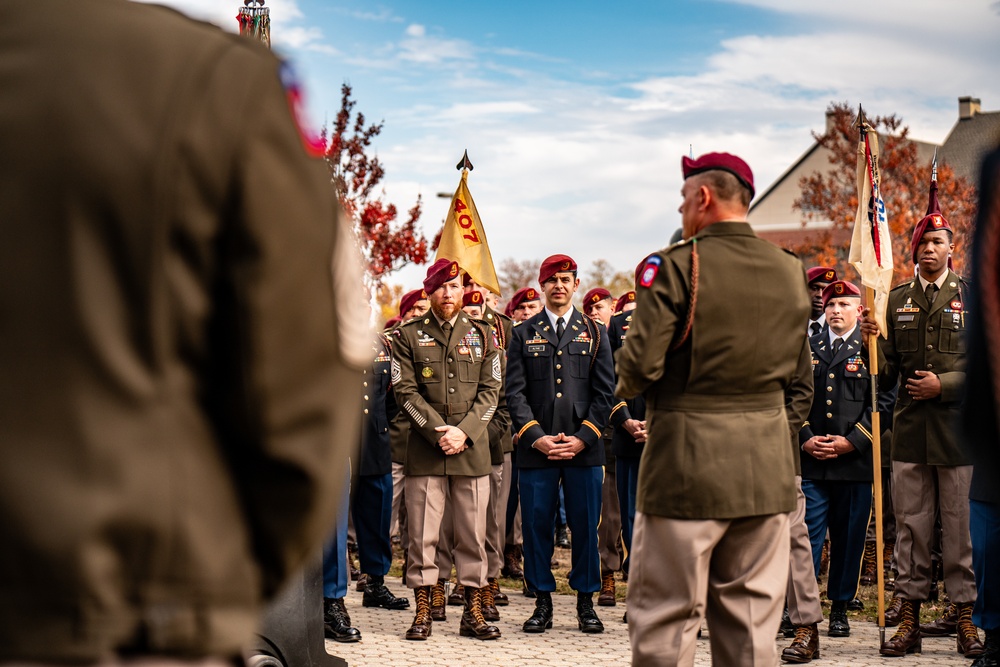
x: 818, y: 277
x: 717, y: 477
x: 628, y: 421
x: 931, y: 472
x: 446, y: 373
x: 559, y: 389
x: 598, y: 305
x: 525, y: 303
x: 371, y: 508
x: 474, y: 305
x: 412, y: 304
x: 835, y: 447
x: 501, y: 449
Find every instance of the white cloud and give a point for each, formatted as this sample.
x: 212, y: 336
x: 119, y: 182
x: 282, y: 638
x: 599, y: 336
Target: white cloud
x: 592, y: 168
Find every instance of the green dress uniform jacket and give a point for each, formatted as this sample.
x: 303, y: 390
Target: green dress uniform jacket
x: 501, y: 441
x: 924, y: 337
x: 174, y: 423
x: 720, y: 439
x: 441, y: 381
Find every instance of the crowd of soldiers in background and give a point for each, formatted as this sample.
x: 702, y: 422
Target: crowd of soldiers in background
x: 570, y: 442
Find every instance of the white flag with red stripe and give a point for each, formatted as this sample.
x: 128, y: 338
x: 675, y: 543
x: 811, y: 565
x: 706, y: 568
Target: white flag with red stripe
x: 871, y: 245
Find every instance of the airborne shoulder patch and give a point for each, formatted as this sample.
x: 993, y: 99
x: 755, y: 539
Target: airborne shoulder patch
x: 649, y: 271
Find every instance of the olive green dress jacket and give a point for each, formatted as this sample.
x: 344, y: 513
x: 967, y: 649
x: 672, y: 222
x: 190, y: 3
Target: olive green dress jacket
x: 440, y: 380
x: 931, y: 338
x: 720, y: 438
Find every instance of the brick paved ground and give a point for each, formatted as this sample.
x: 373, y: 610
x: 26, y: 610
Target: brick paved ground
x: 564, y: 645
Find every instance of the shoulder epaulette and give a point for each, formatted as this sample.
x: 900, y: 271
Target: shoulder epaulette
x: 674, y: 246
x: 412, y: 320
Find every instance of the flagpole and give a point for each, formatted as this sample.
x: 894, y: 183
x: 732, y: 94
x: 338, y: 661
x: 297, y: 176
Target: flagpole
x: 877, y: 477
x: 872, y: 342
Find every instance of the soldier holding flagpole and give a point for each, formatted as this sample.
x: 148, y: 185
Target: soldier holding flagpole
x: 924, y: 352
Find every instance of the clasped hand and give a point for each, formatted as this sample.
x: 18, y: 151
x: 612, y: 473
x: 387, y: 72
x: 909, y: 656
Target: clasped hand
x: 452, y: 440
x: 560, y: 447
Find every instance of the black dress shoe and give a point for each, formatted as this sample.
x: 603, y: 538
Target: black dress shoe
x: 336, y: 625
x: 562, y: 538
x: 839, y: 627
x: 586, y: 616
x: 541, y: 619
x: 855, y: 605
x: 377, y: 595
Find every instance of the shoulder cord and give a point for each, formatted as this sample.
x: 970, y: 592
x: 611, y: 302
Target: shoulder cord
x: 689, y: 320
x: 597, y: 336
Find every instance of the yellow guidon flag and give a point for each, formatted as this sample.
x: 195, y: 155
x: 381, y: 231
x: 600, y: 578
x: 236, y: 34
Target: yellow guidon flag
x: 464, y: 239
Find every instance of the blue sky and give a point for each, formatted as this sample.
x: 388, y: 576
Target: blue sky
x: 576, y: 114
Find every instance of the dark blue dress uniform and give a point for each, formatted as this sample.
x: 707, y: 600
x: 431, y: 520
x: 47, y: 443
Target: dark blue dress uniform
x: 557, y: 386
x: 627, y: 451
x: 839, y: 491
x: 372, y: 503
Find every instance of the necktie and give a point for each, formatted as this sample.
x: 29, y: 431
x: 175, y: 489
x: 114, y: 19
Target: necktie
x: 446, y: 327
x: 837, y: 343
x: 560, y: 327
x: 931, y: 292
x: 815, y: 328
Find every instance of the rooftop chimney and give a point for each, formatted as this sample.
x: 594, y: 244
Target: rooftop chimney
x: 830, y: 118
x: 968, y: 107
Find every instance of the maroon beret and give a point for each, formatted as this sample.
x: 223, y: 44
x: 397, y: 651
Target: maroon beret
x: 472, y: 299
x: 724, y: 161
x: 933, y: 221
x: 623, y: 300
x: 593, y: 296
x: 823, y: 274
x: 840, y: 288
x: 439, y: 273
x: 523, y: 295
x: 553, y: 265
x: 409, y: 299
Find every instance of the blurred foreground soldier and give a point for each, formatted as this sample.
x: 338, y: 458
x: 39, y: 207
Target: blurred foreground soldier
x: 717, y: 477
x: 931, y: 472
x: 982, y: 410
x: 173, y: 358
x: 559, y: 390
x: 446, y: 374
x: 818, y: 277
